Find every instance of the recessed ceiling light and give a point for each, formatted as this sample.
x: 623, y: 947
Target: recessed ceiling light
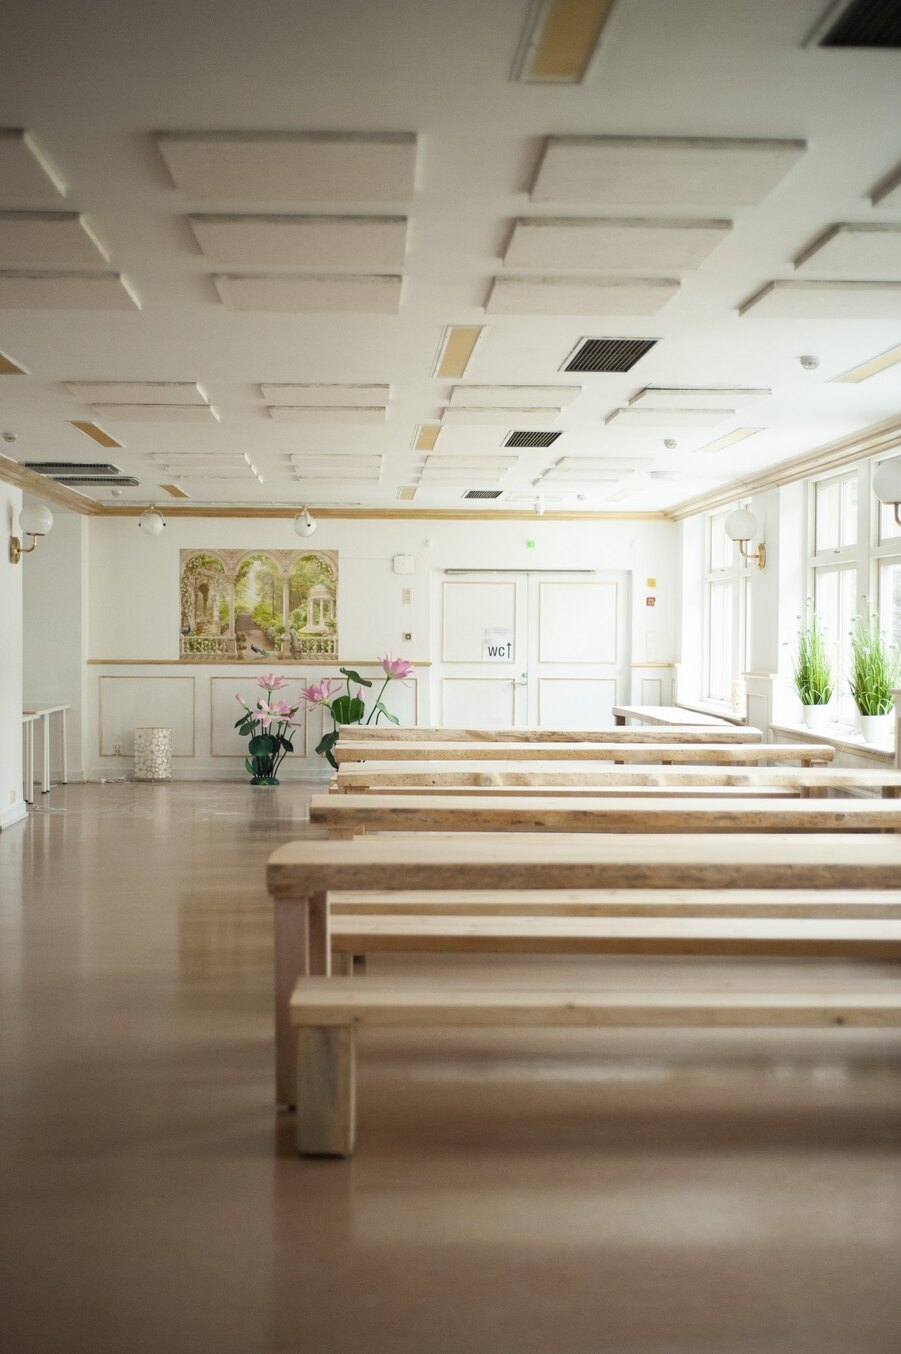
x: 94, y: 431
x: 871, y: 368
x: 406, y: 492
x: 426, y: 438
x: 560, y: 40
x: 729, y: 440
x: 10, y: 368
x: 174, y: 491
x: 458, y: 343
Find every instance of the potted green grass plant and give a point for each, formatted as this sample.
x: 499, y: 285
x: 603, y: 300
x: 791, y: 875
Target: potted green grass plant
x: 875, y: 670
x: 813, y: 677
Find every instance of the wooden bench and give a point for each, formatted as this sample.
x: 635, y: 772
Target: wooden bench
x: 668, y: 714
x: 352, y: 814
x: 697, y: 731
x: 301, y: 875
x: 669, y: 753
x: 326, y: 1014
x: 542, y: 778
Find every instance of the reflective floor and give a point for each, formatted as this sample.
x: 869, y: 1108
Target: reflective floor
x: 563, y: 1193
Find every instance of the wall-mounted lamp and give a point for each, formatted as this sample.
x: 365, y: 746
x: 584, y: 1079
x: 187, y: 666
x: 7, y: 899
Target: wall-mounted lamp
x: 35, y: 521
x: 741, y: 526
x: 305, y: 523
x: 152, y: 522
x: 887, y: 484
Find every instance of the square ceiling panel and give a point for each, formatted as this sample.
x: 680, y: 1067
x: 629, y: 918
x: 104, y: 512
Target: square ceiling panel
x: 286, y: 413
x: 291, y: 166
x: 638, y: 417
x: 302, y: 241
x: 854, y: 251
x: 579, y: 295
x: 65, y: 291
x: 33, y: 239
x: 332, y: 396
x: 613, y: 245
x: 696, y: 397
x: 26, y: 174
x: 508, y: 397
x: 137, y: 392
x: 661, y: 171
x: 826, y: 301
x: 295, y: 293
x: 157, y: 413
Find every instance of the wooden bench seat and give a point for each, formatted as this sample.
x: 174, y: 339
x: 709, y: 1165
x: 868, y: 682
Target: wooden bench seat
x: 704, y: 754
x: 698, y: 731
x: 352, y: 814
x: 326, y: 1014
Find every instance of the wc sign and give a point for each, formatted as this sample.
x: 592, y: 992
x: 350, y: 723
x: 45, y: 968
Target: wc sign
x: 497, y: 645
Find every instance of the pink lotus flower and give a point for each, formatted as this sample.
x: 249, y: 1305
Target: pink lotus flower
x: 282, y: 709
x: 241, y: 701
x: 396, y: 668
x: 270, y: 682
x: 318, y: 695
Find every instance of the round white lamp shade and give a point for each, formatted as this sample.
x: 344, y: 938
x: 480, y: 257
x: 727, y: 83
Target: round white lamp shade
x: 305, y: 523
x: 887, y: 481
x: 152, y: 522
x: 740, y: 525
x: 36, y: 519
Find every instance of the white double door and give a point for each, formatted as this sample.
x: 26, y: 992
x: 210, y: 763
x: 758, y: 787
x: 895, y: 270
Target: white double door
x: 520, y: 649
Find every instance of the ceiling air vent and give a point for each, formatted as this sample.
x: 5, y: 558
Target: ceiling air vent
x: 866, y: 23
x: 70, y: 468
x: 607, y: 354
x: 483, y: 493
x: 526, y: 439
x: 123, y: 481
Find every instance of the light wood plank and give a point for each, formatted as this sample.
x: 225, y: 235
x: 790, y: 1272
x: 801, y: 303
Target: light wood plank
x: 691, y: 731
x: 547, y: 776
x: 701, y: 753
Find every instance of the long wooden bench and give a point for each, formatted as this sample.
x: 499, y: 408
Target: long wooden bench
x: 669, y: 753
x: 700, y: 732
x: 669, y: 714
x: 353, y: 814
x: 302, y: 874
x: 326, y: 1014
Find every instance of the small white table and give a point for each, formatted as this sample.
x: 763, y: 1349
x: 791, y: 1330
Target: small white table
x: 29, y: 717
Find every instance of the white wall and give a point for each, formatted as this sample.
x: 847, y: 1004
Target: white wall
x: 55, y: 625
x: 133, y: 608
x: 12, y: 805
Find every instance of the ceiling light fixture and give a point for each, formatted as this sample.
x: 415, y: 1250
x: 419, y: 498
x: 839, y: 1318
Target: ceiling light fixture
x: 458, y: 343
x: 34, y: 521
x: 741, y: 526
x: 887, y: 485
x: 871, y: 368
x: 560, y: 40
x: 152, y: 522
x: 305, y: 523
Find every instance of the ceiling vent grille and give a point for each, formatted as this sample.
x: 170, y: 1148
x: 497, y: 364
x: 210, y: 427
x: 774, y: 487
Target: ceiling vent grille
x: 526, y: 439
x: 607, y: 354
x: 71, y: 468
x: 483, y: 493
x: 866, y: 23
x: 123, y: 481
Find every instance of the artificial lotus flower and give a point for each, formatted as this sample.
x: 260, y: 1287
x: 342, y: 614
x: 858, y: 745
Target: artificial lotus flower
x: 269, y: 682
x: 318, y: 695
x: 396, y: 668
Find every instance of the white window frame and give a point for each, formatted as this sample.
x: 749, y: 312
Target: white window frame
x: 737, y: 573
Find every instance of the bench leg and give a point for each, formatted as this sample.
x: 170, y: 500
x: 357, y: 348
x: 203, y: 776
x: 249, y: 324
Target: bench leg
x: 342, y: 963
x: 343, y: 834
x: 292, y: 950
x: 326, y: 1104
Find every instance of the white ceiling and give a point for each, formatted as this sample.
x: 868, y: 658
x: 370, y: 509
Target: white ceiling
x: 413, y: 185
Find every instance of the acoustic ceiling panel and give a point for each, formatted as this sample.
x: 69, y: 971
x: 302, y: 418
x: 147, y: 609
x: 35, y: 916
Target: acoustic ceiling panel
x: 579, y: 295
x: 137, y: 392
x: 639, y: 417
x: 291, y: 166
x: 338, y: 467
x: 26, y: 175
x: 613, y: 245
x: 512, y: 418
x: 606, y: 463
x: 508, y: 397
x: 331, y: 396
x: 696, y: 397
x: 826, y: 301
x: 854, y: 251
x: 307, y: 292
x: 65, y: 291
x: 320, y: 414
x: 35, y: 239
x: 157, y: 413
x: 887, y: 192
x: 302, y: 241
x: 659, y: 171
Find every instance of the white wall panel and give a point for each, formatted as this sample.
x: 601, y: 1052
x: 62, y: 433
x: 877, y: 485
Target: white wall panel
x: 131, y: 702
x: 470, y: 608
x: 576, y: 702
x: 577, y: 623
x: 477, y: 702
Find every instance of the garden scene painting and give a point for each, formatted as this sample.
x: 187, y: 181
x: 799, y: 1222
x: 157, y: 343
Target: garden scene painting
x: 253, y: 603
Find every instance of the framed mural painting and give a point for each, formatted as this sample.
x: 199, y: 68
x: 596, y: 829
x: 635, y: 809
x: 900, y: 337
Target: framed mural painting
x: 238, y: 604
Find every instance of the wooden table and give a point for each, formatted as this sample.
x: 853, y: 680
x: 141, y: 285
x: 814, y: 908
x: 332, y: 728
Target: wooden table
x: 301, y: 875
x: 43, y: 713
x: 685, y: 731
x: 664, y: 714
x: 706, y: 753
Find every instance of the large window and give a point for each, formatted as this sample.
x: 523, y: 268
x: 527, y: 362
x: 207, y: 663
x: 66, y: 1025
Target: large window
x: 726, y: 609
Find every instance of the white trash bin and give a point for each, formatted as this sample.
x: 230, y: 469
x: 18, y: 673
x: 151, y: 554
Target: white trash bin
x: 153, y: 754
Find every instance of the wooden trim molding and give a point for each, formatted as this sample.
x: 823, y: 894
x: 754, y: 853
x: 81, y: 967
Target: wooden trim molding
x: 272, y: 661
x: 375, y: 514
x: 48, y: 490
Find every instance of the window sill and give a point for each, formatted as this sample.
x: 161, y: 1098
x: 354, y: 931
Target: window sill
x: 837, y: 738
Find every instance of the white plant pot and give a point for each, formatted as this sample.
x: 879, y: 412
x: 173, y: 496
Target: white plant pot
x: 815, y: 716
x: 877, y: 728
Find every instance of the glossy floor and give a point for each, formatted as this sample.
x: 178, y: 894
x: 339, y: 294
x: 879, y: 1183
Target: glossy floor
x: 559, y: 1193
